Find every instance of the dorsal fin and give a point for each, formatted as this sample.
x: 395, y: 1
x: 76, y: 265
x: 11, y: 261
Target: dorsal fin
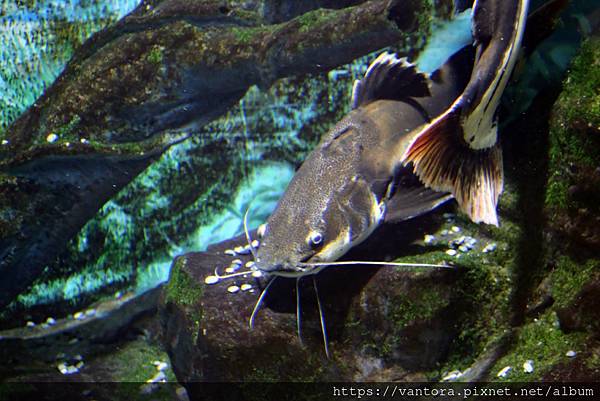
x: 391, y: 78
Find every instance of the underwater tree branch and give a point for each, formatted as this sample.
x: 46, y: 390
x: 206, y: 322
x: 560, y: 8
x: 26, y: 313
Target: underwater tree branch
x: 149, y: 81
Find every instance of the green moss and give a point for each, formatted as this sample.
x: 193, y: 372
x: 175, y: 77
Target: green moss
x: 542, y: 342
x: 68, y: 128
x: 418, y: 308
x: 568, y: 278
x: 156, y: 54
x: 277, y: 362
x: 557, y: 192
x: 247, y: 35
x: 580, y: 99
x: 132, y: 362
x: 181, y: 289
x: 314, y: 18
x: 575, y: 126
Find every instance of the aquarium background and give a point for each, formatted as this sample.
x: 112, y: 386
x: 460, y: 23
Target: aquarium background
x: 197, y: 192
x: 183, y: 202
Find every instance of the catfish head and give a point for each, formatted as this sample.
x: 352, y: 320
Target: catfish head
x: 328, y: 208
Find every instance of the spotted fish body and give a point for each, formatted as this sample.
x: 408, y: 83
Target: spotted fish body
x: 352, y: 181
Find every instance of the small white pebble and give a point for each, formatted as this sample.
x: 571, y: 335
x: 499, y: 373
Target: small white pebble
x: 211, y: 280
x: 245, y: 287
x: 230, y: 270
x: 429, y: 239
x: 444, y: 233
x: 159, y: 377
x: 83, y: 140
x: 118, y: 295
x: 162, y: 366
x: 30, y: 324
x: 463, y: 248
x: 239, y: 249
x: 257, y: 274
x: 182, y: 394
x: 67, y: 144
x: 51, y: 138
x: 571, y: 354
x: 255, y: 243
x: 451, y: 252
x: 250, y: 264
x: 4, y: 142
x: 504, y: 371
x: 233, y: 289
x: 489, y: 248
x: 455, y: 374
x: 78, y: 315
x: 455, y: 229
x: 237, y: 262
x: 229, y: 252
x: 260, y: 231
x: 90, y: 312
x: 62, y: 368
x: 71, y: 369
x: 50, y: 321
x: 528, y: 366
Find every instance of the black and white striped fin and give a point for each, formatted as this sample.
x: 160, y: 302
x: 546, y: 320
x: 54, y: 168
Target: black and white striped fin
x: 391, y: 78
x: 445, y: 163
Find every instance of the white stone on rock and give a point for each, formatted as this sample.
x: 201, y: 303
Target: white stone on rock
x: 504, y: 371
x: 233, y: 289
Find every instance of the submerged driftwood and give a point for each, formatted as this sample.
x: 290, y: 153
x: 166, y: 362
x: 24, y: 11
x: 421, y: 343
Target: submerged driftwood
x: 148, y: 82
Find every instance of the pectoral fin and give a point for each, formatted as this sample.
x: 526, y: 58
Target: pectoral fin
x: 409, y: 203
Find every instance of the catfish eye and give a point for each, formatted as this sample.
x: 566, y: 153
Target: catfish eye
x: 315, y: 238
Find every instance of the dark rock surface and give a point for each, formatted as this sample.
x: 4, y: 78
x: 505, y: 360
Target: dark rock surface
x: 150, y: 81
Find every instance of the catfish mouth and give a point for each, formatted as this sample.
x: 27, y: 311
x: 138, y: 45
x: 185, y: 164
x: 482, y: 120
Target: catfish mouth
x: 297, y: 270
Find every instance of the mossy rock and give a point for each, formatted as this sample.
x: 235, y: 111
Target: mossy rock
x: 558, y: 336
x: 573, y: 193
